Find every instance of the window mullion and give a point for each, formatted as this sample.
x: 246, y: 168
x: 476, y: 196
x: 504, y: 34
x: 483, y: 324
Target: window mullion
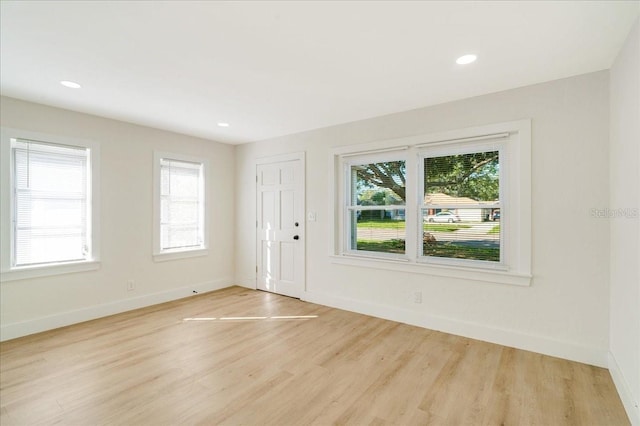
x: 411, y: 218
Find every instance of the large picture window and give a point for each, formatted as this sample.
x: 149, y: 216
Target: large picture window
x: 455, y: 204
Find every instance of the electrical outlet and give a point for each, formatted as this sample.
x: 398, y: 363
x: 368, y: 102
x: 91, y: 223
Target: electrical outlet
x: 417, y: 297
x: 131, y: 285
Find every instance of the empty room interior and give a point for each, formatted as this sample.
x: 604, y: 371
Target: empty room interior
x: 292, y: 213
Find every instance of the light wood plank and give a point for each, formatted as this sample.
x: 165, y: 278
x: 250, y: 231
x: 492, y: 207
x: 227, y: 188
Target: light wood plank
x: 151, y: 366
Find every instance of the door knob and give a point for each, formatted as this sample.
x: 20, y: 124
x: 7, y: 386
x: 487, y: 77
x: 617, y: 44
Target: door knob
x: 296, y: 237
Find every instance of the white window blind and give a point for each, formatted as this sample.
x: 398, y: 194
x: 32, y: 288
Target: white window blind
x: 51, y: 203
x: 181, y: 204
x: 461, y: 206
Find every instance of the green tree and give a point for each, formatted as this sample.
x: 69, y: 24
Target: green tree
x: 390, y: 175
x: 473, y: 175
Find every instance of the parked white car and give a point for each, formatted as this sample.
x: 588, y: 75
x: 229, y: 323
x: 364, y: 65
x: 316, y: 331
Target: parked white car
x: 443, y: 217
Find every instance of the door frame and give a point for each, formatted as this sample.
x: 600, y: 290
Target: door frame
x: 301, y: 155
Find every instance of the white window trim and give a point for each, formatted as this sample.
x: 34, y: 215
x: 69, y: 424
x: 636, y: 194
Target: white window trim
x: 9, y: 273
x: 473, y: 145
x: 160, y: 255
x: 361, y: 159
x: 517, y: 251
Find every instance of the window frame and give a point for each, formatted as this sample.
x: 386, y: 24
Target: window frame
x: 159, y: 254
x: 460, y: 148
x: 396, y: 155
x: 515, y: 201
x: 9, y: 272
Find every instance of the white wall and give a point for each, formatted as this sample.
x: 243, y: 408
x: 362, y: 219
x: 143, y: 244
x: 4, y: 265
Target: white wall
x: 126, y: 223
x: 575, y: 169
x: 624, y: 175
x: 564, y: 312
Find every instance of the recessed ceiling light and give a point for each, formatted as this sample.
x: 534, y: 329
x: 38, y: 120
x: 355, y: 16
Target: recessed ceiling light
x: 466, y: 59
x: 221, y: 124
x: 70, y: 84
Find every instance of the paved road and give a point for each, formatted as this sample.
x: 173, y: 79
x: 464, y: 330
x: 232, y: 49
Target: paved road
x: 475, y: 236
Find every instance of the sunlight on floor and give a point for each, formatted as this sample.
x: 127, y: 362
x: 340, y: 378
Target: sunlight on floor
x: 278, y: 317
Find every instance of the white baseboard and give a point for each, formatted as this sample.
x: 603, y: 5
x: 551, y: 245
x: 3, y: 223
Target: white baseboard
x: 505, y: 337
x: 249, y: 282
x: 631, y: 405
x: 24, y: 328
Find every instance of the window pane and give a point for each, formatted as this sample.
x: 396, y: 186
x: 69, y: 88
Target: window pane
x: 462, y: 205
x: 184, y: 183
x: 181, y: 204
x: 39, y: 212
x: 50, y: 203
x: 47, y: 245
x: 179, y: 236
x: 378, y: 184
x: 378, y: 230
x: 462, y: 233
x: 462, y: 179
x: 184, y: 212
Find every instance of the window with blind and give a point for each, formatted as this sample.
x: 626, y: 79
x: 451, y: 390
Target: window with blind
x: 454, y: 204
x: 51, y: 218
x: 460, y: 211
x: 180, y: 203
x: 376, y: 210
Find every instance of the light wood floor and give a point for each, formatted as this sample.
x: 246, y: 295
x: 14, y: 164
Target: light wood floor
x: 156, y: 366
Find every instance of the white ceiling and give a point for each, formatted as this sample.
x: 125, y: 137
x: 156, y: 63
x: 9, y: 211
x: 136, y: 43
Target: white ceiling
x: 276, y: 68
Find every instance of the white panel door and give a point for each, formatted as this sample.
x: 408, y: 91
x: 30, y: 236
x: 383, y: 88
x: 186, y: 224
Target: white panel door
x: 280, y: 227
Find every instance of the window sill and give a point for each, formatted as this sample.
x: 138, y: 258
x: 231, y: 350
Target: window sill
x: 464, y: 273
x: 179, y: 254
x: 27, y: 272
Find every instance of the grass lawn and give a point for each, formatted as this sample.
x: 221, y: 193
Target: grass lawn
x: 400, y: 224
x: 441, y: 249
x: 381, y: 224
x: 451, y: 250
x: 388, y: 246
x: 494, y: 230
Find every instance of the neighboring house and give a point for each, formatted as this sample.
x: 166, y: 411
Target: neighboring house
x: 457, y: 206
x: 381, y: 197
